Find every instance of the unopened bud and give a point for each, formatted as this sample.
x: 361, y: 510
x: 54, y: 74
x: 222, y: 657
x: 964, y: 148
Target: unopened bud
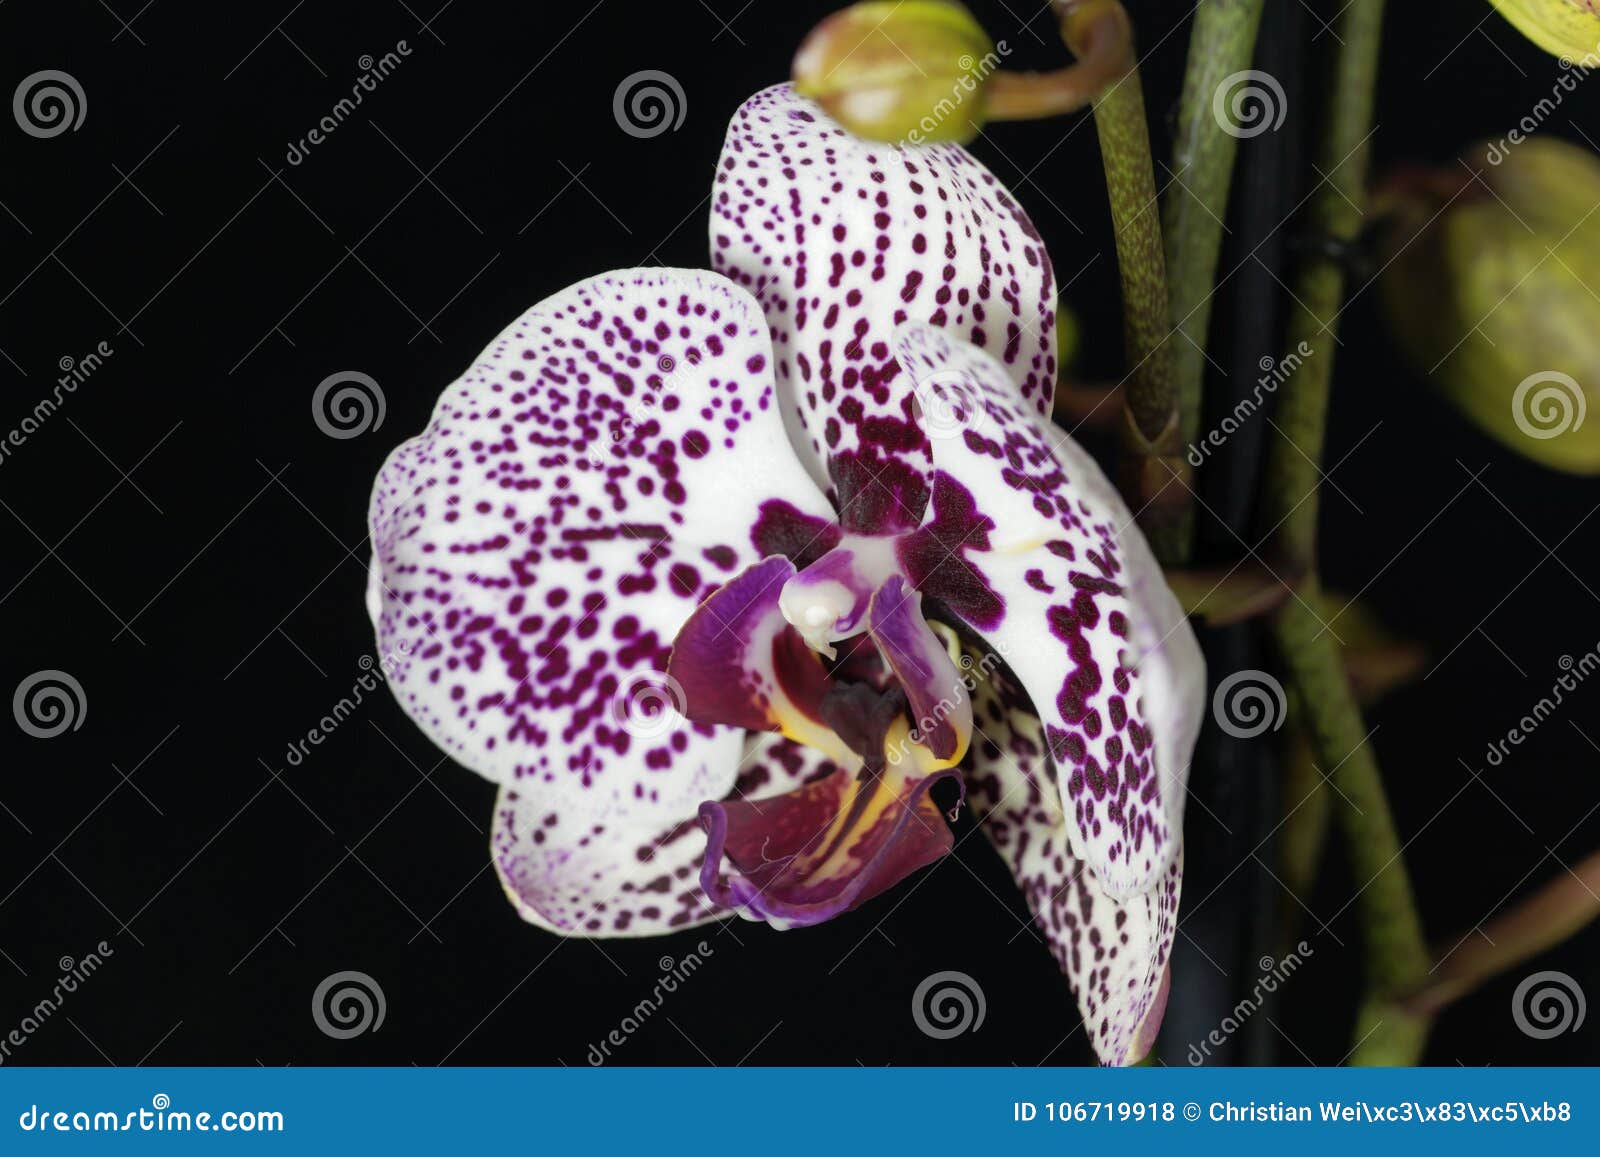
x: 910, y: 72
x: 1487, y: 288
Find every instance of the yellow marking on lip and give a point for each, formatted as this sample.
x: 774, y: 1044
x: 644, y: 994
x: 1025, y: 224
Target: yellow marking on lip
x: 793, y: 724
x: 835, y: 842
x: 898, y: 746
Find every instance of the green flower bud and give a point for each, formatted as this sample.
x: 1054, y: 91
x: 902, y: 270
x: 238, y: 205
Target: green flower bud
x: 910, y: 72
x: 1569, y: 29
x: 1488, y: 289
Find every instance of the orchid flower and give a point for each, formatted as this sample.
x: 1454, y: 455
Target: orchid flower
x: 811, y: 508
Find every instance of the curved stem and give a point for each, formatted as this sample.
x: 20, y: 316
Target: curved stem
x: 1221, y: 44
x: 1156, y: 475
x: 1106, y: 57
x: 1396, y: 955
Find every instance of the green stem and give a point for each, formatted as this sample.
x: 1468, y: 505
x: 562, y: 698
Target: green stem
x: 1130, y: 183
x: 1396, y: 955
x: 1221, y: 44
x: 1303, y: 837
x: 1157, y: 476
x: 1336, y: 213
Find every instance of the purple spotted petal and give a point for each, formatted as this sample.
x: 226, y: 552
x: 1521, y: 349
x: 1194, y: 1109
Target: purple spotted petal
x: 607, y: 461
x: 1030, y: 544
x: 1115, y: 954
x: 629, y: 878
x: 841, y: 240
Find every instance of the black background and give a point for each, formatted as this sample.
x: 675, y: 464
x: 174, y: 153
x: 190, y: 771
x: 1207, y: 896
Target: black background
x: 184, y: 541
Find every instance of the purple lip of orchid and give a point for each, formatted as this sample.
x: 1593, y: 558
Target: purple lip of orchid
x: 718, y: 574
x: 825, y: 847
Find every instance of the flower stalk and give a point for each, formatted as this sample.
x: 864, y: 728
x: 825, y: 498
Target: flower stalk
x: 1397, y: 957
x: 1156, y: 476
x: 1221, y: 44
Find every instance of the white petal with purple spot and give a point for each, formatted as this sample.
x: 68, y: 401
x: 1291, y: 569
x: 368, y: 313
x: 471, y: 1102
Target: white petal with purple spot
x: 1114, y: 953
x: 574, y: 874
x: 1041, y: 557
x: 841, y: 240
x: 539, y: 544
